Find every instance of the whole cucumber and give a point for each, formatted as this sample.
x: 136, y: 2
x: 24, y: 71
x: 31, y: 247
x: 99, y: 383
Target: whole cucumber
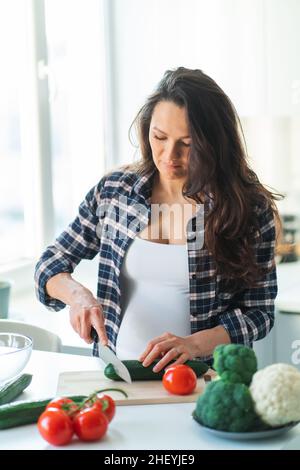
x: 26, y: 412
x: 14, y: 388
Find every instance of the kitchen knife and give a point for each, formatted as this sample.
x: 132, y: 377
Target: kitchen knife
x: 107, y: 356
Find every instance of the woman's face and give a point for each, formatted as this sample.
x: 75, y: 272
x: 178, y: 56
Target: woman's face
x: 169, y: 140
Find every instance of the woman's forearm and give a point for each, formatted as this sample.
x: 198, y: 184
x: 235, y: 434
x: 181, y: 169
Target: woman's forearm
x: 205, y: 341
x: 64, y: 288
x: 85, y: 310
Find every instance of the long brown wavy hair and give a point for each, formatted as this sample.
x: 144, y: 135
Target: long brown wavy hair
x: 218, y: 166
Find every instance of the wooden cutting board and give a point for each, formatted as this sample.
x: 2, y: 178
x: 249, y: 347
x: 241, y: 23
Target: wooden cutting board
x: 139, y: 392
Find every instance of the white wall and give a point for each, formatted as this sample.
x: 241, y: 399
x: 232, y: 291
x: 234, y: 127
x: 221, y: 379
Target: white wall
x: 250, y: 47
x: 152, y: 36
x: 283, y: 62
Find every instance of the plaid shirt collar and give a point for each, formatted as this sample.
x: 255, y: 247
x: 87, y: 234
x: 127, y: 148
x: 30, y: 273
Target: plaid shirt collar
x: 143, y: 184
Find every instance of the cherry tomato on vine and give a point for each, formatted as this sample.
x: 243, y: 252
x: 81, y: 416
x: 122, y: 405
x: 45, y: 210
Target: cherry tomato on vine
x: 65, y: 404
x: 107, y: 405
x: 55, y: 426
x: 90, y: 424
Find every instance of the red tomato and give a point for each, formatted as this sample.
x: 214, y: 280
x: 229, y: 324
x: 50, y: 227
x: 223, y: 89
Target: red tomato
x: 63, y: 403
x: 107, y: 405
x: 55, y: 426
x: 179, y: 379
x: 90, y: 424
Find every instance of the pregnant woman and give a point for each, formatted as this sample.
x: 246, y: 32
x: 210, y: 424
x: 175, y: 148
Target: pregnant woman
x: 185, y: 236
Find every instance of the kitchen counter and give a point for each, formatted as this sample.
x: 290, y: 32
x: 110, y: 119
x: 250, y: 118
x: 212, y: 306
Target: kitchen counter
x: 134, y: 427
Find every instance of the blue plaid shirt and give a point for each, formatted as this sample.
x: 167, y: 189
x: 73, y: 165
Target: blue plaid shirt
x: 247, y: 316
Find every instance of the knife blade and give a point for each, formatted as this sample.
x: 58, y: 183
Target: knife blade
x: 109, y: 357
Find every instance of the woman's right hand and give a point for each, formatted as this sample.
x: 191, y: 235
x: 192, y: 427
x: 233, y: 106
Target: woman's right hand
x: 85, y: 313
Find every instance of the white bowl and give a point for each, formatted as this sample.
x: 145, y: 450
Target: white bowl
x: 15, y: 351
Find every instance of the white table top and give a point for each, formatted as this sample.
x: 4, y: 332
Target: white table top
x: 134, y: 427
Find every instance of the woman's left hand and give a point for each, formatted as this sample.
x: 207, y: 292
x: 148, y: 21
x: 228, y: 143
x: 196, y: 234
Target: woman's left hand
x: 170, y: 347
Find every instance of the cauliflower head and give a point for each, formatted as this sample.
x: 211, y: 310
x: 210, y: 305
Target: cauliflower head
x: 226, y: 406
x: 235, y: 363
x: 276, y: 394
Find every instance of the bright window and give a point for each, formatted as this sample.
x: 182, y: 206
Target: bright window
x: 75, y: 57
x: 51, y: 119
x: 12, y: 185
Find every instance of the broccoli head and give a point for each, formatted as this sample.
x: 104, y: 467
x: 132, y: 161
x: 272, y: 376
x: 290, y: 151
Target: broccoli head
x: 226, y: 406
x: 235, y: 363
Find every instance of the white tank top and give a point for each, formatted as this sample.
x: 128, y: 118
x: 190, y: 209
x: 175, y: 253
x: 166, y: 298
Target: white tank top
x: 154, y: 282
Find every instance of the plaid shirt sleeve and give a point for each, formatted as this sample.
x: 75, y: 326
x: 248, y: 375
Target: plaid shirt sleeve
x: 250, y: 316
x: 79, y: 241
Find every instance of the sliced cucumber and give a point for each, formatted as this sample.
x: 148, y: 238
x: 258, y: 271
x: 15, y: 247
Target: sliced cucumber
x: 139, y: 372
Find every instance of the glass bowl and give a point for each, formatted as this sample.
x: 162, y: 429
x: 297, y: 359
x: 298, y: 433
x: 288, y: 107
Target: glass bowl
x: 15, y: 351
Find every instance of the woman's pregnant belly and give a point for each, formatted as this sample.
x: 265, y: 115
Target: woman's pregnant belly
x: 154, y: 283
x: 152, y: 311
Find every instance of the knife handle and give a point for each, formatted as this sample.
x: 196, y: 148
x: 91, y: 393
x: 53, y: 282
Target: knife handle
x: 94, y: 335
